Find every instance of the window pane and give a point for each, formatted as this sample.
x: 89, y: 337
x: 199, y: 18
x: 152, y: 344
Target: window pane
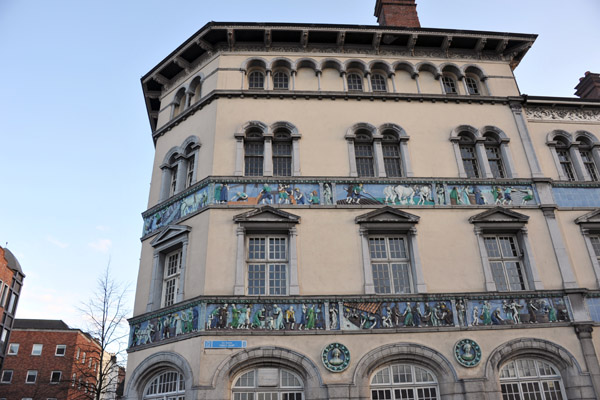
x: 491, y: 246
x: 472, y: 86
x: 531, y: 391
x: 401, y: 374
x: 515, y: 275
x: 355, y: 82
x: 495, y: 161
x: 253, y: 160
x: 364, y: 159
x: 256, y: 80
x: 378, y: 83
x: 508, y: 246
x: 527, y: 368
x: 277, y: 279
x: 256, y: 249
x: 277, y: 249
x: 378, y: 248
x: 596, y: 244
x: 382, y: 376
x: 170, y: 287
x: 246, y: 380
x: 391, y: 159
x: 469, y: 161
x: 552, y: 390
x: 588, y: 162
x: 381, y: 278
x: 282, y: 158
x: 397, y: 248
x: 256, y: 279
x: 499, y: 277
x: 565, y: 163
x: 449, y: 85
x: 510, y: 391
x: 401, y: 278
x: 280, y: 80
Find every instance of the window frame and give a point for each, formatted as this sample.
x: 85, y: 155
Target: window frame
x: 505, y: 260
x: 31, y: 372
x: 10, y: 372
x: 64, y: 349
x: 379, y: 87
x: 55, y: 382
x: 269, y: 264
x: 569, y: 153
x: 391, y: 387
x: 355, y: 81
x: 33, y: 349
x: 449, y: 82
x: 386, y: 264
x: 392, y: 163
x: 519, y: 381
x: 171, y: 277
x: 180, y: 388
x: 9, y: 351
x: 365, y: 163
x: 279, y: 389
x: 253, y: 83
x: 286, y: 82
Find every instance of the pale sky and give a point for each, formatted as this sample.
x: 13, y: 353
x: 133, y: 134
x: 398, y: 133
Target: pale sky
x: 76, y: 147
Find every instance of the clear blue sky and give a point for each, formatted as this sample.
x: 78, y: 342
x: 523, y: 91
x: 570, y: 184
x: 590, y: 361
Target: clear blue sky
x: 76, y: 148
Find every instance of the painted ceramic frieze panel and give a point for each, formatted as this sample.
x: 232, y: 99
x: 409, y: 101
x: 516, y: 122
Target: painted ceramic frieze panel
x: 516, y: 311
x: 266, y: 316
x: 490, y: 195
x: 367, y: 193
x: 576, y: 197
x: 166, y: 326
x: 267, y: 193
x: 399, y: 314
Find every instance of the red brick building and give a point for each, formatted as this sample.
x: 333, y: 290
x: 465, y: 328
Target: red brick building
x: 48, y: 360
x: 11, y: 282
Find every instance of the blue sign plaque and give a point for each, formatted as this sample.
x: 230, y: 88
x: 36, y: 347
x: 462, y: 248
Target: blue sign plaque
x: 225, y: 344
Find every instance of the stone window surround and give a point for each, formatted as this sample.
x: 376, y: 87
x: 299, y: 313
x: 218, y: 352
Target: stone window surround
x: 515, y: 226
x: 156, y: 364
x: 279, y: 222
x: 185, y: 95
x: 181, y: 161
x: 573, y: 147
x: 172, y: 238
x: 377, y: 136
x: 402, y: 224
x: 268, y: 134
x: 590, y: 226
x: 479, y: 137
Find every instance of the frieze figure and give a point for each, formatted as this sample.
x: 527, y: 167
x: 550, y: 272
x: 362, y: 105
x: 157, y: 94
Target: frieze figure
x: 327, y: 194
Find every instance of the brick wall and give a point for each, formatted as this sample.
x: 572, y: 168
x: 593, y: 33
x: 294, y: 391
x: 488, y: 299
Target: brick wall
x: 397, y: 13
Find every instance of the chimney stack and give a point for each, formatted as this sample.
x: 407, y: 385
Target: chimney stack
x: 589, y: 86
x: 397, y: 13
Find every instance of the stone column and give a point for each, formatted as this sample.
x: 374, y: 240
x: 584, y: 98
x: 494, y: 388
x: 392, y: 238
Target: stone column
x: 562, y: 256
x: 534, y: 164
x: 584, y: 334
x: 165, y: 184
x: 240, y: 265
x: 483, y: 160
x: 343, y: 75
x: 392, y: 78
x: 181, y: 290
x: 580, y: 170
x: 268, y: 157
x: 366, y: 258
x: 352, y: 157
x: 368, y: 78
x: 155, y: 284
x: 293, y: 80
x: 239, y: 154
x: 378, y: 155
x: 490, y: 284
x: 319, y: 80
x: 295, y: 157
x: 294, y: 285
x: 419, y: 278
x: 267, y: 80
x: 533, y: 275
x: 405, y: 157
x: 181, y: 175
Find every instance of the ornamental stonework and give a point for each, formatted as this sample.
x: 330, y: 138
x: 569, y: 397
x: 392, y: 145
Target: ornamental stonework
x: 564, y: 114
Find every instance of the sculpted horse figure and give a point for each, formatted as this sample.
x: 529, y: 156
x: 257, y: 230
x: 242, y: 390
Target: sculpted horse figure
x: 404, y: 194
x: 423, y: 192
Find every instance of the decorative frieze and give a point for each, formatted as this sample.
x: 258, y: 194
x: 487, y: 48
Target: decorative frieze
x: 565, y: 114
x: 246, y: 316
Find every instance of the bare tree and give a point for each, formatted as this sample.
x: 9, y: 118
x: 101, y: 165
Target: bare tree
x: 106, y: 314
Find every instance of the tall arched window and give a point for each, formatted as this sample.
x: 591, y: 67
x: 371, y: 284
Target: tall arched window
x: 363, y: 151
x: 355, y: 82
x: 392, y: 160
x: 253, y: 153
x: 282, y: 153
x: 585, y: 149
x: 168, y: 385
x: 281, y: 80
x: 404, y: 381
x: 527, y: 378
x: 256, y: 80
x: 469, y: 155
x: 494, y: 156
x: 178, y: 103
x: 472, y: 85
x: 564, y: 158
x: 267, y: 384
x: 449, y: 84
x: 174, y: 169
x: 378, y: 83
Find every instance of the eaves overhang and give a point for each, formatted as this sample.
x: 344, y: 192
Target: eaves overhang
x: 231, y: 36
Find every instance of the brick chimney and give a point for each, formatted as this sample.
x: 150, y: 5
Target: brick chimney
x: 397, y: 13
x: 589, y: 86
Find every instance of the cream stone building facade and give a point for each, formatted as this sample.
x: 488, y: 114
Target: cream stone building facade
x: 365, y: 212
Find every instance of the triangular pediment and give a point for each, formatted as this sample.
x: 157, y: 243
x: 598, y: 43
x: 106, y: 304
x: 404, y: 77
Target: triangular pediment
x: 592, y: 217
x: 266, y: 214
x: 387, y: 215
x: 169, y: 233
x: 498, y: 215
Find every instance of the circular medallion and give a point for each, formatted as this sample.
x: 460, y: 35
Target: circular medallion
x: 336, y: 357
x: 467, y: 352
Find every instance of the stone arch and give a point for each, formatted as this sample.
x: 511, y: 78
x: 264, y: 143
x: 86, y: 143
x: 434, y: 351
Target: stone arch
x: 392, y: 127
x: 429, y: 67
x: 465, y: 128
x: 452, y: 68
x: 332, y: 63
x: 253, y: 125
x: 356, y: 64
x: 281, y: 62
x: 475, y: 70
x: 192, y: 141
x: 588, y: 135
x: 254, y: 62
x: 307, y: 63
x: 195, y: 86
x: 499, y: 133
x: 405, y: 352
x: 569, y: 367
x: 173, y: 152
x: 559, y: 134
x: 155, y: 364
x: 380, y: 65
x: 270, y: 356
x: 351, y: 132
x: 406, y: 66
x: 287, y: 126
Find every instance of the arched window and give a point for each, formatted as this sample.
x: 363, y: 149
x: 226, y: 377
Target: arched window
x: 449, y: 84
x: 355, y: 82
x: 267, y: 384
x: 468, y: 155
x: 391, y: 154
x: 378, y: 83
x: 178, y: 103
x: 174, y: 169
x: 168, y: 385
x: 195, y: 90
x: 585, y: 149
x: 494, y: 156
x: 363, y: 151
x: 404, y: 381
x: 253, y: 153
x: 256, y: 80
x: 281, y: 80
x: 527, y: 378
x: 472, y: 85
x: 564, y: 158
x: 282, y: 153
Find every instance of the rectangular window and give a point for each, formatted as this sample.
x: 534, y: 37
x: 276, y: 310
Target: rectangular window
x: 390, y: 264
x: 7, y: 375
x: 588, y: 162
x: 31, y: 376
x: 253, y: 159
x: 449, y: 85
x: 77, y: 354
x: 5, y: 293
x: 282, y: 159
x: 267, y: 265
x: 364, y: 159
x: 495, y: 161
x: 36, y: 350
x: 565, y: 163
x: 173, y: 180
x: 13, y: 349
x: 61, y: 349
x: 469, y: 161
x: 505, y: 262
x: 391, y: 159
x: 171, y: 277
x: 191, y: 162
x: 55, y: 377
x: 472, y: 86
x: 73, y: 380
x: 83, y: 358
